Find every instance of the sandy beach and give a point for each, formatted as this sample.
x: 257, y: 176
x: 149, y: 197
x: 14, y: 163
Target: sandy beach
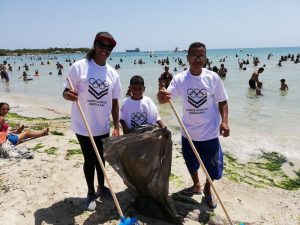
x: 50, y: 188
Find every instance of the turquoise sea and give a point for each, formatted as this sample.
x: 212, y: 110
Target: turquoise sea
x: 269, y: 122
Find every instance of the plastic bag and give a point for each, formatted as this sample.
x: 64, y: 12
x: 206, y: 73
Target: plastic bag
x: 143, y: 159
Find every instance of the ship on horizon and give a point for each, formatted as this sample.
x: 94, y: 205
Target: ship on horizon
x: 133, y: 50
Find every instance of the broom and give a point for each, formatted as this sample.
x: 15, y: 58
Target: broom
x: 124, y: 220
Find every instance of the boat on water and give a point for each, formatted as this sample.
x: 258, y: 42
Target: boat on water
x: 176, y: 49
x: 133, y: 50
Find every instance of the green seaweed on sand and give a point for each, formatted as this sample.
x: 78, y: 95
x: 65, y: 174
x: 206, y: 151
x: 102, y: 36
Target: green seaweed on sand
x: 274, y: 161
x: 35, y: 123
x: 3, y: 187
x: 74, y: 141
x: 63, y: 118
x: 55, y: 132
x: 51, y: 151
x: 266, y: 171
x: 291, y: 184
x: 71, y: 152
x: 39, y: 126
x: 17, y: 116
x: 175, y: 179
x: 173, y: 176
x: 37, y: 146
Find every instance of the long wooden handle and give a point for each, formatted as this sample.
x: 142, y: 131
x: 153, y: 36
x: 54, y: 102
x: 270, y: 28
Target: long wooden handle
x: 97, y: 153
x: 199, y: 159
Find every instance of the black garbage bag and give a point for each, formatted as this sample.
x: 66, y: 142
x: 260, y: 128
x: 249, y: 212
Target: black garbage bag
x: 143, y: 159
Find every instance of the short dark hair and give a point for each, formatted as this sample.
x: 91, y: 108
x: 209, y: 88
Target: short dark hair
x: 261, y: 69
x: 196, y: 45
x: 282, y: 80
x: 137, y: 80
x: 3, y: 103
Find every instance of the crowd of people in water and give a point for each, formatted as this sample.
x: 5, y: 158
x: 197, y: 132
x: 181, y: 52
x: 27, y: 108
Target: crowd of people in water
x: 166, y: 76
x: 6, y: 67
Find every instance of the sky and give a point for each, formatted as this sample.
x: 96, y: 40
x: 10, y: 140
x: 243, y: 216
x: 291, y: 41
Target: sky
x: 150, y: 24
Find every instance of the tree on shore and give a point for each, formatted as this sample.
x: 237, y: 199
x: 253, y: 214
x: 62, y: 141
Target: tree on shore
x: 24, y: 51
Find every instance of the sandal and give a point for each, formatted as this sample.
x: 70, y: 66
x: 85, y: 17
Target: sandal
x: 211, y: 201
x: 191, y: 191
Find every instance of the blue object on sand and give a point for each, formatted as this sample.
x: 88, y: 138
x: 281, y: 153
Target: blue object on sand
x: 128, y: 221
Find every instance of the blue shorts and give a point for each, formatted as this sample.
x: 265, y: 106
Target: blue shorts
x: 211, y: 154
x: 13, y: 138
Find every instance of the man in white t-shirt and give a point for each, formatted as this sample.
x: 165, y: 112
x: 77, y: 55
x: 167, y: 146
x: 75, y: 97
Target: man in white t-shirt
x: 205, y: 116
x: 97, y: 87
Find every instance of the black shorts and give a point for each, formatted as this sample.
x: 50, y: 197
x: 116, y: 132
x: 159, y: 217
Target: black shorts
x: 252, y: 84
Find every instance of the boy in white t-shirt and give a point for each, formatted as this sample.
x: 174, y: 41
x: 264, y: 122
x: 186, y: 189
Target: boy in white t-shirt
x: 137, y: 109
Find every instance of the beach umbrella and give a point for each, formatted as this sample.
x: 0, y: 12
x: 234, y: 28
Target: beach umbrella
x: 124, y: 220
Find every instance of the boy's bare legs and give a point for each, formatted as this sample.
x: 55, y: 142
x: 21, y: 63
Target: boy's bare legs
x: 31, y: 134
x: 196, y: 181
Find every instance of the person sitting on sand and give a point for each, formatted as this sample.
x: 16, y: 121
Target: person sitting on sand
x: 3, y: 130
x: 283, y: 86
x: 16, y: 136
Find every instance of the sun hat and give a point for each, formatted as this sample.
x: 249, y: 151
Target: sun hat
x: 105, y: 36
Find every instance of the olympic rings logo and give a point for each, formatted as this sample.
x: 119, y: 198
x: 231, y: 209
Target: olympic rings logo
x: 138, y: 116
x: 98, y: 83
x: 193, y: 93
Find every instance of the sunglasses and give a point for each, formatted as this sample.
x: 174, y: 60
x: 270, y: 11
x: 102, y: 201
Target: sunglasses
x: 195, y: 56
x: 102, y: 45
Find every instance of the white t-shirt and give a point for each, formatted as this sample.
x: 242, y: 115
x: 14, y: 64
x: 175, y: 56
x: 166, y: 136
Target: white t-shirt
x: 200, y: 95
x: 96, y: 86
x: 139, y: 112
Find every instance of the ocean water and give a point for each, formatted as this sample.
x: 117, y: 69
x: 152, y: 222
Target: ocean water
x: 269, y: 122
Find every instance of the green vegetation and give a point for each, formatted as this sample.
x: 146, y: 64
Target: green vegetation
x: 63, y: 118
x: 51, y: 151
x: 71, y: 152
x: 3, y: 188
x: 24, y: 51
x: 74, y: 141
x: 17, y: 116
x: 37, y: 147
x: 57, y: 133
x: 175, y: 179
x: 265, y: 172
x: 39, y: 126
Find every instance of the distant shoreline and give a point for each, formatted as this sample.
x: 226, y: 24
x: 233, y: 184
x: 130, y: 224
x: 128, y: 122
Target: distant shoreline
x: 56, y: 50
x: 20, y: 52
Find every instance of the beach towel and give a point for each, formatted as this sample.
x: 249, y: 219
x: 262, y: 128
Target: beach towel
x: 8, y: 150
x: 143, y: 159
